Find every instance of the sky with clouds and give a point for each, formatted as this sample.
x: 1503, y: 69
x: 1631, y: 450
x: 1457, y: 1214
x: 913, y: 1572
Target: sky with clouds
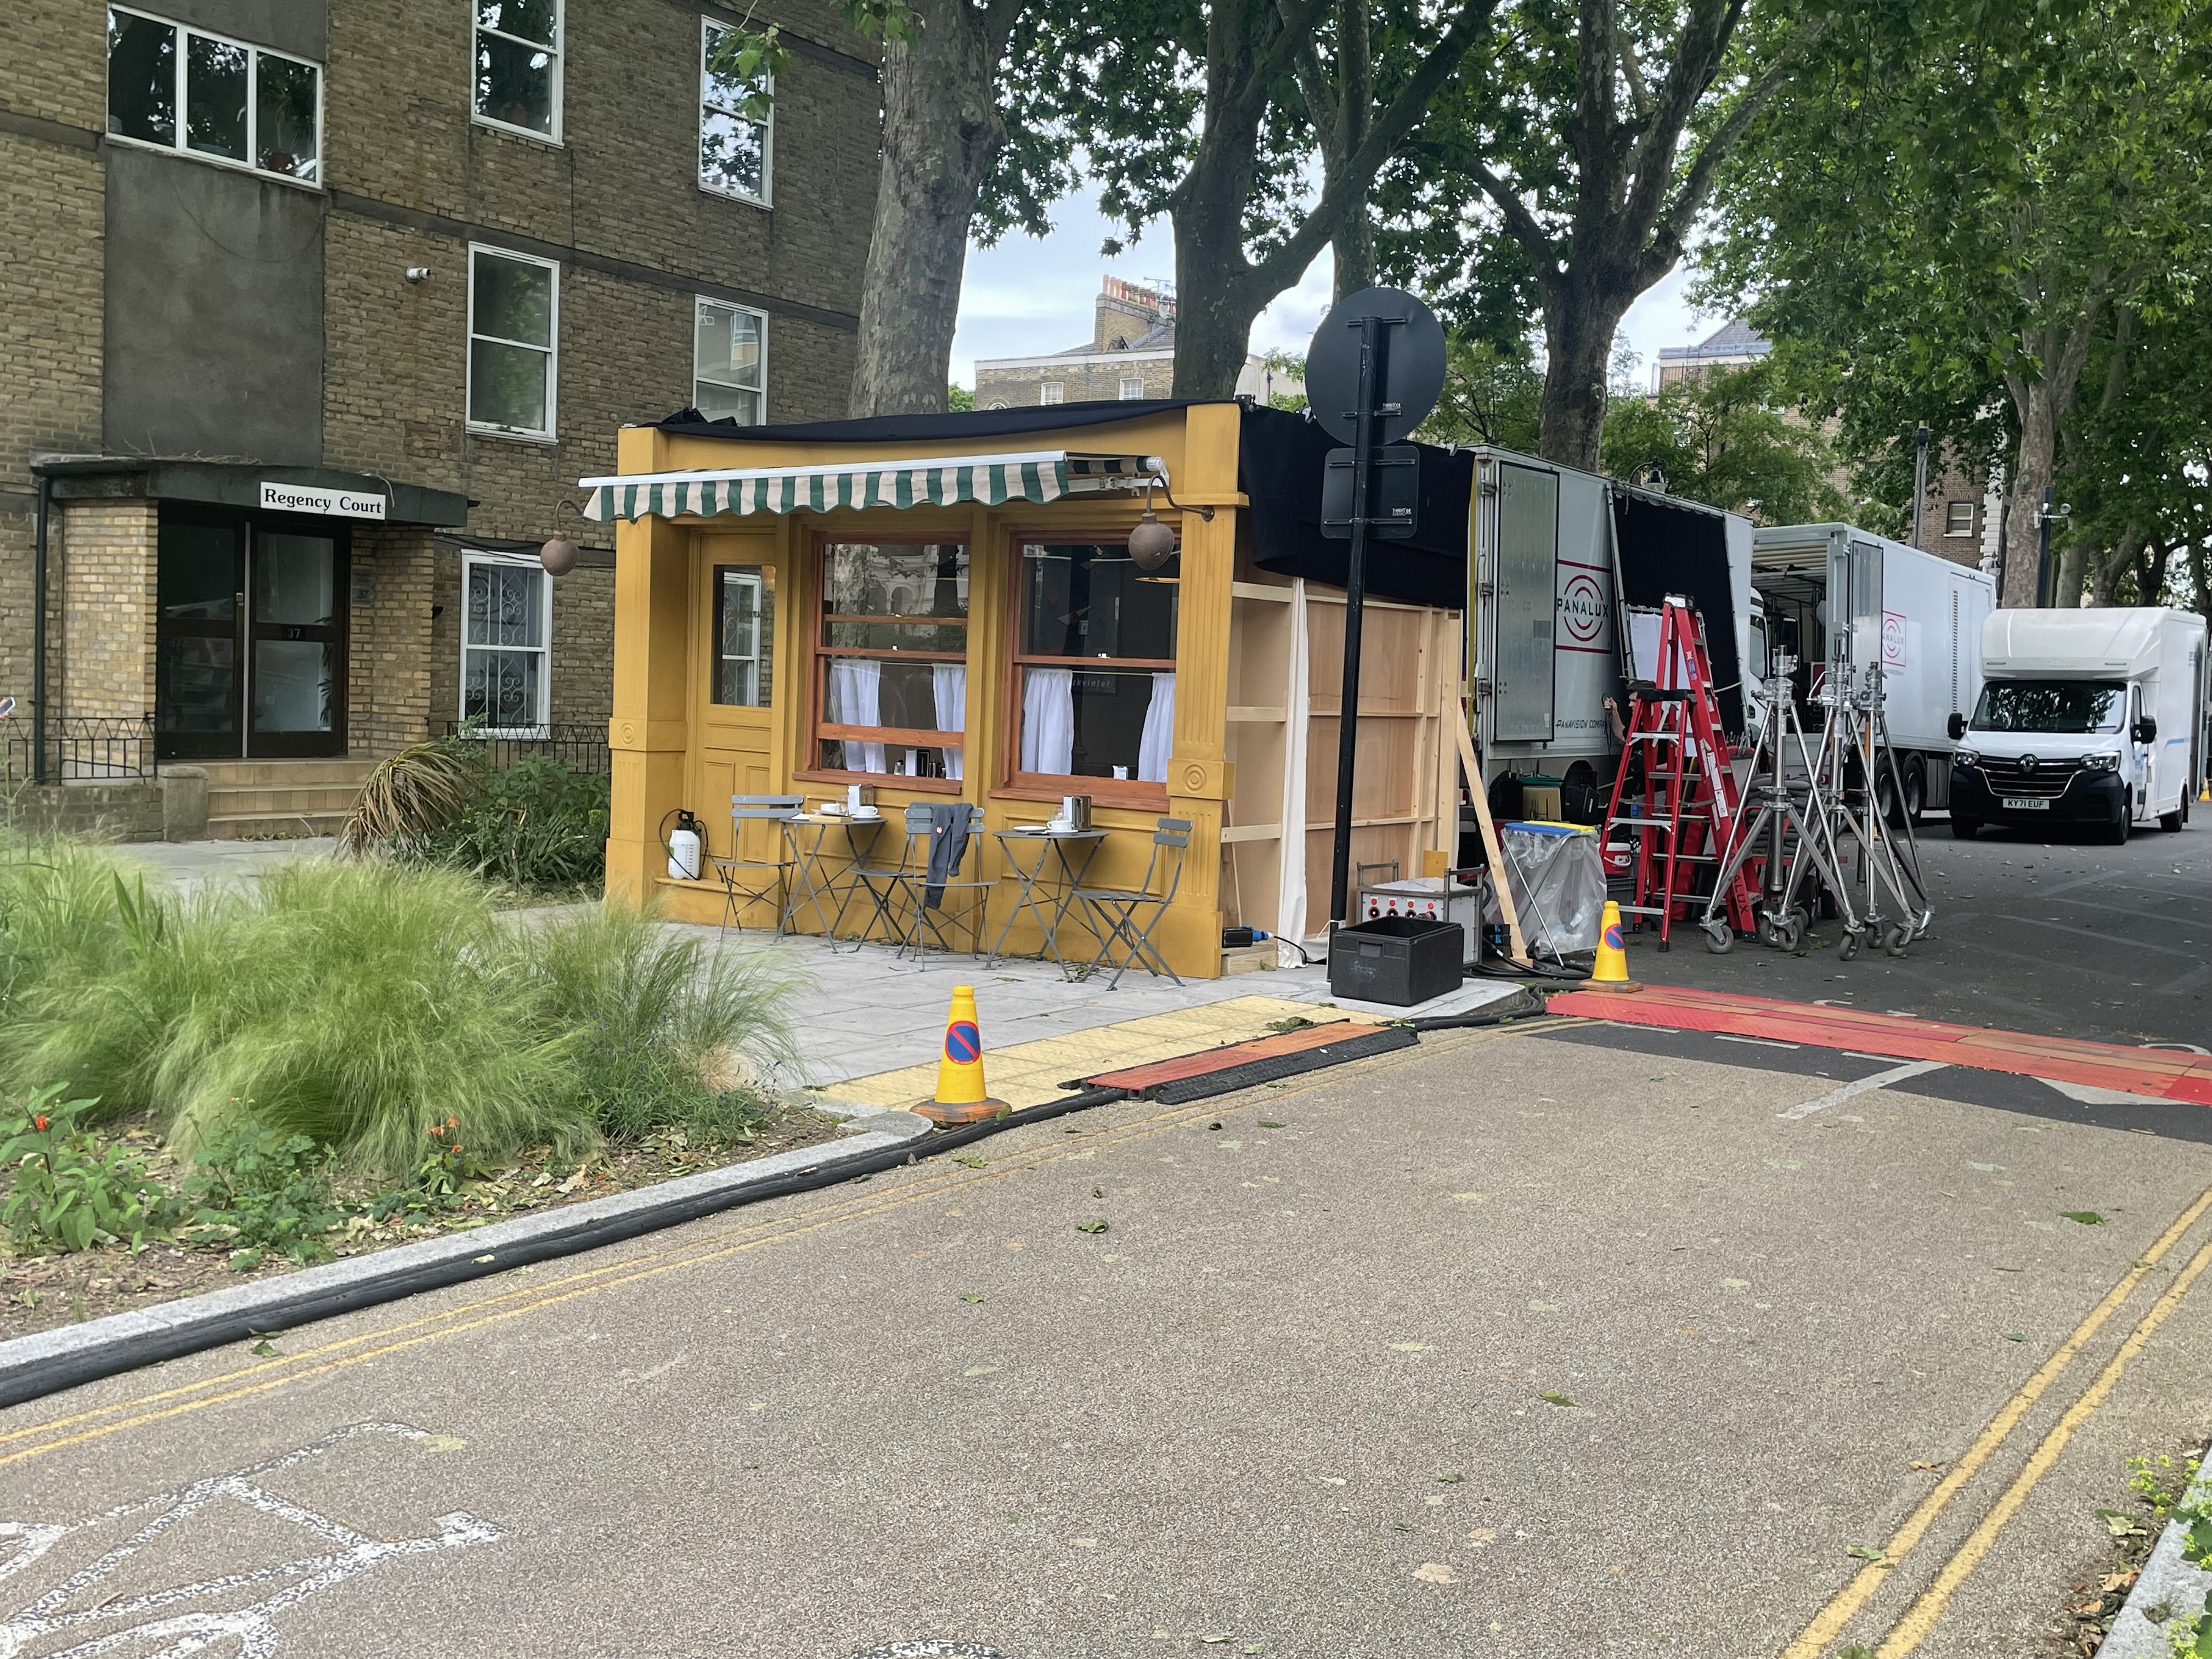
x: 1029, y: 296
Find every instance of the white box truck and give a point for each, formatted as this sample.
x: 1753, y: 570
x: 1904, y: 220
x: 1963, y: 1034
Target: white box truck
x: 1833, y: 593
x: 2086, y: 717
x: 1556, y: 553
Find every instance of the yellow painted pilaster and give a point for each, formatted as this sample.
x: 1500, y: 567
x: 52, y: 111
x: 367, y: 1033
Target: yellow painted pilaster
x: 1199, y: 775
x: 649, y: 732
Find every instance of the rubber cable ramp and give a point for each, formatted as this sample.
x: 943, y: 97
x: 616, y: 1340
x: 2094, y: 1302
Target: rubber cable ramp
x: 1264, y: 1060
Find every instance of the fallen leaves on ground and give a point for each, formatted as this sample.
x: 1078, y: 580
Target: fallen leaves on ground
x: 971, y: 1160
x: 1435, y: 1572
x: 1552, y: 1397
x: 1872, y: 1554
x: 2086, y: 1218
x: 1096, y: 1224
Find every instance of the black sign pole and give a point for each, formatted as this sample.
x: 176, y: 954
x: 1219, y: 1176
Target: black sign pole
x: 1373, y: 348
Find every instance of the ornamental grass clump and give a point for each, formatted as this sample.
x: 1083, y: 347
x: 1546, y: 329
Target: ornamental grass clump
x: 57, y: 912
x: 666, y: 1032
x: 349, y: 1002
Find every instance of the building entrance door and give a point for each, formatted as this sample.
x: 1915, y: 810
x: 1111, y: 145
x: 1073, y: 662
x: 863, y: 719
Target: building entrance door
x: 250, y: 639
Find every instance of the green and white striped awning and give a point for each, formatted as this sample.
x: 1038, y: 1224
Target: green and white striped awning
x: 945, y: 481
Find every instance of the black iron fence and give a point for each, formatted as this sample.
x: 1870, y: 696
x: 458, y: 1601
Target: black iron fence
x: 79, y: 748
x: 581, y: 746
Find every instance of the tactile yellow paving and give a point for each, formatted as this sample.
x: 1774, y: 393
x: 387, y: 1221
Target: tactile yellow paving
x: 1031, y: 1073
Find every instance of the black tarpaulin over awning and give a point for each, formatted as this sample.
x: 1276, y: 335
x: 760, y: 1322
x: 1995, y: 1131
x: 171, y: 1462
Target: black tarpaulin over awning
x: 1669, y: 547
x: 1280, y: 461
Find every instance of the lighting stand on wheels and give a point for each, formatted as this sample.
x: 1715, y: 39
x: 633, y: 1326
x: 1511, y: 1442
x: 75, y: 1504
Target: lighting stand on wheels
x: 1788, y: 829
x: 1814, y: 829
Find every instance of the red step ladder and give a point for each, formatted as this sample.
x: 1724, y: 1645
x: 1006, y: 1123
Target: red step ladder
x: 1677, y: 827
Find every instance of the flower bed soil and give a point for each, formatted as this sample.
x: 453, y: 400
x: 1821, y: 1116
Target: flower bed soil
x: 41, y: 1292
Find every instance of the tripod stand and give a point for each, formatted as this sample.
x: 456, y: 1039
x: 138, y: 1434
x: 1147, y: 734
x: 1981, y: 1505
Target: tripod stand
x: 1806, y: 826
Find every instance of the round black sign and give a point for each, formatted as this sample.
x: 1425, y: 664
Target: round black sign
x: 1411, y: 342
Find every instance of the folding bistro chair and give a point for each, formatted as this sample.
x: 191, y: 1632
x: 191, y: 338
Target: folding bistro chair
x: 1116, y: 909
x: 745, y: 880
x: 945, y: 922
x: 884, y: 884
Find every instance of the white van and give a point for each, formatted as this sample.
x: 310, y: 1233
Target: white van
x: 2094, y: 717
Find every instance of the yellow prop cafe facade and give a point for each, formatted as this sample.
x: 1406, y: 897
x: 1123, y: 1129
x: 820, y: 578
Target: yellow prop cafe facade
x: 945, y: 608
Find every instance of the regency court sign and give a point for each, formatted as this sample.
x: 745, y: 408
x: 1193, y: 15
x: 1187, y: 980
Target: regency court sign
x: 330, y: 504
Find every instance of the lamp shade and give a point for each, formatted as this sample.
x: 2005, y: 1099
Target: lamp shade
x: 1151, y: 543
x: 558, y: 556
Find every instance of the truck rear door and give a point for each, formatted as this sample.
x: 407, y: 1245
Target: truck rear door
x: 1527, y: 602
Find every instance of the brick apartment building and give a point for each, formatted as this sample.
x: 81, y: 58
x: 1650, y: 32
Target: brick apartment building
x: 314, y: 314
x: 1130, y: 355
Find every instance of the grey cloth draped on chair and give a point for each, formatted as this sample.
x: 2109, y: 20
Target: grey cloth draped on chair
x: 948, y: 843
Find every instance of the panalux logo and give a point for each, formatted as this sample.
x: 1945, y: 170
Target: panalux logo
x: 932, y: 1650
x: 1581, y: 610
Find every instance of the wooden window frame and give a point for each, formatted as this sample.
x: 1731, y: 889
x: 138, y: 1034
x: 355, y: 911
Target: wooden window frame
x: 817, y: 729
x: 1014, y: 784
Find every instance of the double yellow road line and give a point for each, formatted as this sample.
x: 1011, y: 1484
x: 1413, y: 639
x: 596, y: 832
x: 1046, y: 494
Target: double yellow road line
x: 1913, y: 1628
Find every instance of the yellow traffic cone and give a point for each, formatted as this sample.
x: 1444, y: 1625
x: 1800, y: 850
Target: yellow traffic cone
x: 961, y: 1096
x: 1611, y: 973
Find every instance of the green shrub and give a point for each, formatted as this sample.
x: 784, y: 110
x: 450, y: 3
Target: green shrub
x: 654, y: 1013
x: 535, y: 825
x: 70, y: 1191
x: 263, y: 1190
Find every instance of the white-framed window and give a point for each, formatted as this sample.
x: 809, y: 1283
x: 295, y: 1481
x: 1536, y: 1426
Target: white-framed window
x: 1132, y: 388
x: 516, y: 68
x: 515, y: 333
x: 216, y: 99
x: 729, y: 363
x: 507, y: 628
x: 745, y: 636
x: 736, y: 153
x: 1050, y: 392
x: 1958, y: 517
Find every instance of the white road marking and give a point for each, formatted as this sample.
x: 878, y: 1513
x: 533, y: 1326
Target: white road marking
x: 1763, y: 1042
x: 2089, y: 1094
x: 139, y: 1621
x: 1861, y: 1086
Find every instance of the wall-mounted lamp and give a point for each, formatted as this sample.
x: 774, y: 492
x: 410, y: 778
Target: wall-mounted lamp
x: 1152, y: 543
x: 418, y: 273
x: 559, y: 554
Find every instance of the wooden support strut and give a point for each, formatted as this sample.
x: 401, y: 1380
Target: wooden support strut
x: 1490, y: 848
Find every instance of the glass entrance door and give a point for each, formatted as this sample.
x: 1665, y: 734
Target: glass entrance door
x: 296, y: 670
x: 250, y: 639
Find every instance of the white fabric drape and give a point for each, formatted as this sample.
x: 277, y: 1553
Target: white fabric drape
x: 1049, y: 720
x: 1159, y: 732
x: 1291, y: 887
x: 950, y: 681
x: 856, y: 685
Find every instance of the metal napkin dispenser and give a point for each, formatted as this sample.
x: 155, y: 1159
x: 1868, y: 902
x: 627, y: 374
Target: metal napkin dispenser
x: 1074, y: 814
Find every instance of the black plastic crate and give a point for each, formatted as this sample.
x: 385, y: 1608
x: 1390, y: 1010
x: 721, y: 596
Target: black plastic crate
x: 1398, y: 960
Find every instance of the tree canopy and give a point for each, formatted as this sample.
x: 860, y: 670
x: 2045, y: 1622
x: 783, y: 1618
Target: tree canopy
x: 1911, y: 264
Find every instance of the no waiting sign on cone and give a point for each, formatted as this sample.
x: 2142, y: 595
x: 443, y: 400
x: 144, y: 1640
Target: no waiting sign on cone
x: 961, y: 1094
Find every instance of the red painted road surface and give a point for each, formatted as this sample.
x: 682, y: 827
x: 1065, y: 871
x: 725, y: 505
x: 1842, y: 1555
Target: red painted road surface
x: 2162, y: 1073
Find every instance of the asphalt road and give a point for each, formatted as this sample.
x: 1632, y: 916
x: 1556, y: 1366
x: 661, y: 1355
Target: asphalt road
x: 1514, y: 1344
x: 2037, y: 933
